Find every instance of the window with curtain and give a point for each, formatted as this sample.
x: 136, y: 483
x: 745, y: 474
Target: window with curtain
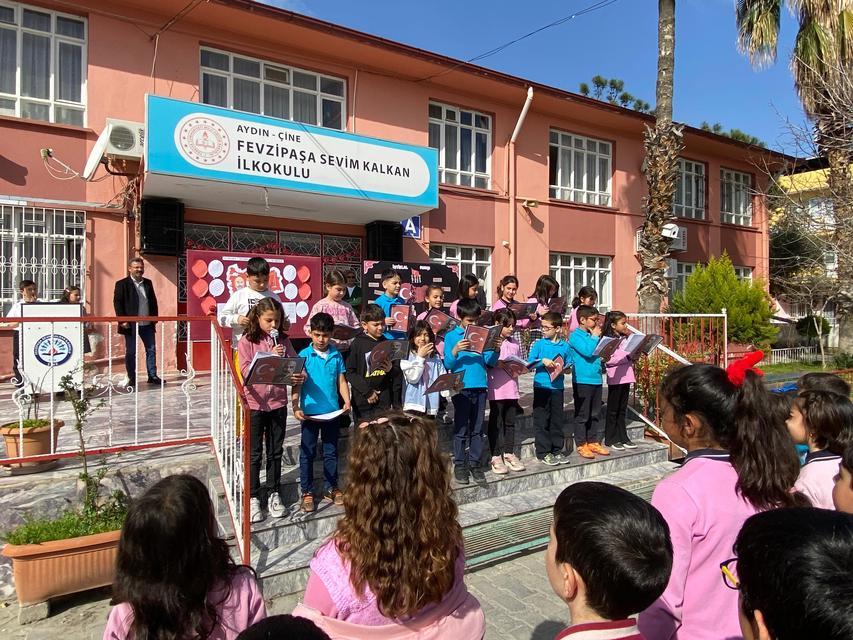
x: 689, y: 201
x: 246, y: 84
x: 579, y: 168
x: 736, y: 197
x: 464, y: 142
x: 42, y: 64
x: 574, y: 271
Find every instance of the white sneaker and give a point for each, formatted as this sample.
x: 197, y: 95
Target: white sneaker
x: 498, y: 466
x: 256, y: 514
x: 512, y: 461
x: 277, y: 510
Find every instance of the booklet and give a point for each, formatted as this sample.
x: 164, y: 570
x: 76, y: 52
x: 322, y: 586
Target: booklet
x: 402, y: 314
x: 606, y: 346
x: 557, y: 305
x: 324, y: 417
x: 482, y: 338
x: 345, y: 332
x: 440, y: 322
x: 523, y: 310
x: 558, y: 368
x: 639, y: 343
x: 516, y: 366
x: 269, y: 368
x: 446, y: 382
x: 486, y: 319
x: 386, y: 351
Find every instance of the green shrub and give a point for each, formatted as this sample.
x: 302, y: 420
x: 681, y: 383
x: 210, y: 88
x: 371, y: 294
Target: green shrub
x: 714, y: 287
x: 71, y: 524
x: 843, y: 361
x: 806, y: 327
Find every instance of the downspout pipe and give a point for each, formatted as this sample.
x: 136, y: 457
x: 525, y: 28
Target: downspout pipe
x: 512, y: 180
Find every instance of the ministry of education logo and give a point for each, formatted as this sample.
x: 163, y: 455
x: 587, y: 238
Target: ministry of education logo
x: 203, y: 140
x: 53, y: 350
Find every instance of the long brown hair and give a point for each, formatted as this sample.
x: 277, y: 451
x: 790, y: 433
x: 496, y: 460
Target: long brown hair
x: 399, y: 531
x: 253, y: 331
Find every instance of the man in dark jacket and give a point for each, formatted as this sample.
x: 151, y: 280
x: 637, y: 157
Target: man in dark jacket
x: 353, y: 295
x: 134, y: 296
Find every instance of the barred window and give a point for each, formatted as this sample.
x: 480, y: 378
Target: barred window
x: 575, y: 271
x: 476, y: 260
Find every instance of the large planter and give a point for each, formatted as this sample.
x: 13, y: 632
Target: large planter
x: 36, y: 442
x: 56, y: 568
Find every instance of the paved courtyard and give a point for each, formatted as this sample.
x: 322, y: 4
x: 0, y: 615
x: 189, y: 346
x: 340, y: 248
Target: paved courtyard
x: 515, y: 595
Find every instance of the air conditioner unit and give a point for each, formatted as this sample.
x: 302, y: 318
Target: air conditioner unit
x: 678, y: 243
x: 125, y: 139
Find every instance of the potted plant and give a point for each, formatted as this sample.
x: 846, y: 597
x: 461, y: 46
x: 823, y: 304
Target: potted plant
x: 38, y: 433
x: 75, y: 551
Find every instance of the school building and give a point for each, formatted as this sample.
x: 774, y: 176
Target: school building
x: 235, y: 126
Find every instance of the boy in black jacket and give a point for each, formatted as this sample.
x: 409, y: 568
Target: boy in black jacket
x: 371, y: 393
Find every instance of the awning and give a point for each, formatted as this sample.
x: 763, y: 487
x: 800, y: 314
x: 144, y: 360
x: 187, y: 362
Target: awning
x: 225, y: 160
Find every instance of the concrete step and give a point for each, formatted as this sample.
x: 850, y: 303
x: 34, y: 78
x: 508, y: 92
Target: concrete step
x: 282, y: 549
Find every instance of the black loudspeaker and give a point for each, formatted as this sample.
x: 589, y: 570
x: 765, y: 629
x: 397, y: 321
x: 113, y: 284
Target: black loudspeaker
x: 384, y: 241
x: 162, y: 227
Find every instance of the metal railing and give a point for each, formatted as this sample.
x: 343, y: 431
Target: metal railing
x: 793, y: 355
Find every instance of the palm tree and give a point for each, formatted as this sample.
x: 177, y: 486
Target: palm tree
x: 822, y: 57
x: 663, y: 144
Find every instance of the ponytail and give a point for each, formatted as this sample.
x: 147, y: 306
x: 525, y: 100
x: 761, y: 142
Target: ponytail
x: 585, y: 292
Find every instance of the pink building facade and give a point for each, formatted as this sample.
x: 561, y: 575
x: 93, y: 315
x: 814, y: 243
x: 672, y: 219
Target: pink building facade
x: 565, y: 198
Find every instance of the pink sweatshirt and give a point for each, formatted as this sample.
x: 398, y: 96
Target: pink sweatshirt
x: 817, y: 478
x: 573, y: 320
x: 262, y: 397
x: 704, y: 512
x: 341, y: 313
x: 620, y: 368
x: 243, y: 607
x: 521, y: 322
x: 503, y: 386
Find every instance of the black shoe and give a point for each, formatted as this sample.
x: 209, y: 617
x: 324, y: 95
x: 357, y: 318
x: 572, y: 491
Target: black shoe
x: 155, y: 380
x: 461, y: 475
x: 478, y: 474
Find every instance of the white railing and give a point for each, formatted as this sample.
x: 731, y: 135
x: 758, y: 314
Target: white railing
x: 794, y: 355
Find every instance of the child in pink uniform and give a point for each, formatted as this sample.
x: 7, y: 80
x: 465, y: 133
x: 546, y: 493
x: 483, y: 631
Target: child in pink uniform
x: 620, y: 375
x: 173, y: 570
x: 507, y: 290
x: 334, y: 305
x: 469, y: 286
x: 503, y: 401
x: 587, y: 296
x: 711, y: 412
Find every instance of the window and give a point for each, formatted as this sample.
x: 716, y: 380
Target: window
x: 736, y: 197
x: 744, y: 273
x: 683, y: 270
x: 42, y: 64
x: 690, y: 190
x: 575, y: 271
x: 579, y: 169
x: 476, y: 260
x: 830, y: 262
x: 44, y: 245
x: 238, y: 82
x: 821, y: 215
x: 464, y: 142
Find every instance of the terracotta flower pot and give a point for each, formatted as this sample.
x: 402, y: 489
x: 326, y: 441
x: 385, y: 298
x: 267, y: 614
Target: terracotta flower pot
x: 36, y: 442
x: 56, y: 568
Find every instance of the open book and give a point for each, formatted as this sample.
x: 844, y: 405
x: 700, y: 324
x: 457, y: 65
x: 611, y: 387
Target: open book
x: 486, y: 318
x: 402, y: 315
x: 446, y: 382
x: 516, y: 366
x: 440, y: 322
x: 482, y: 338
x: 269, y: 368
x: 639, y: 343
x: 345, y: 332
x: 557, y: 305
x: 606, y: 346
x: 523, y: 310
x: 386, y: 351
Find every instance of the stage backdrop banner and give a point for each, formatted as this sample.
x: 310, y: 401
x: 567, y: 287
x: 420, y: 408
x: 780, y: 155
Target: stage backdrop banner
x: 212, y: 276
x: 52, y: 350
x: 415, y: 277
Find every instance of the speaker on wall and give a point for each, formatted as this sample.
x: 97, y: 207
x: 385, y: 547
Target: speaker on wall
x: 162, y: 227
x: 384, y: 241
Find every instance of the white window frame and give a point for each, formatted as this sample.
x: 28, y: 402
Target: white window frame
x: 573, y: 187
x: 563, y: 268
x: 683, y: 270
x: 451, y: 254
x: 689, y: 200
x: 230, y: 75
x: 24, y: 228
x: 51, y: 102
x: 740, y: 185
x: 457, y: 176
x: 744, y: 273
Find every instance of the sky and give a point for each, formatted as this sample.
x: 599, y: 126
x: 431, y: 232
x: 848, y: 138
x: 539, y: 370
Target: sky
x: 713, y: 81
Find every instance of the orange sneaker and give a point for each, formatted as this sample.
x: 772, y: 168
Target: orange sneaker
x: 596, y: 447
x: 585, y: 452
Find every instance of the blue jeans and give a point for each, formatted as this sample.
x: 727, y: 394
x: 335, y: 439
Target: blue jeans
x: 469, y: 412
x: 146, y: 334
x: 311, y: 431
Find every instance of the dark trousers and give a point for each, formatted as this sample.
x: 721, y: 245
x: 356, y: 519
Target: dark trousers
x: 548, y: 421
x: 615, y: 430
x: 588, y: 414
x: 312, y: 430
x: 16, y: 355
x: 147, y: 335
x: 502, y: 415
x: 469, y: 411
x: 266, y: 431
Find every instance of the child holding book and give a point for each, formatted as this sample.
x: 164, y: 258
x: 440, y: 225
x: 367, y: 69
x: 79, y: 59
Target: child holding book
x: 507, y: 290
x: 587, y: 383
x: 420, y: 370
x: 318, y: 395
x: 586, y: 296
x: 470, y: 403
x: 619, y: 369
x: 503, y: 400
x: 267, y: 405
x: 549, y: 390
x: 391, y: 284
x: 334, y: 305
x: 435, y: 300
x: 469, y: 289
x: 371, y: 391
x: 546, y: 288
